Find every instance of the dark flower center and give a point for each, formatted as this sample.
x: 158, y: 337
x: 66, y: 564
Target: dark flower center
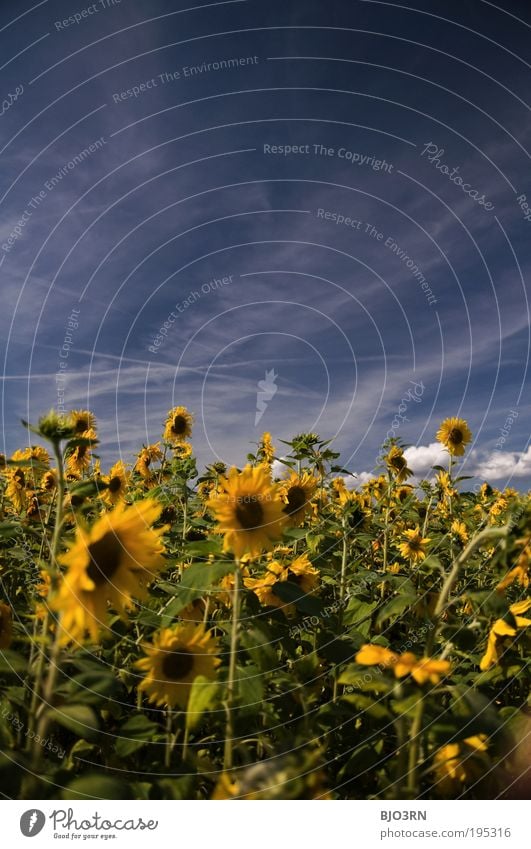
x: 398, y: 462
x: 296, y: 499
x: 81, y: 426
x: 249, y: 512
x: 115, y: 484
x: 20, y: 477
x: 177, y: 664
x: 415, y: 544
x: 105, y: 557
x: 456, y: 436
x: 179, y: 425
x: 294, y: 579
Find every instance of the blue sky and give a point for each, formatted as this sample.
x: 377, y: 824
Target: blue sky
x: 330, y: 192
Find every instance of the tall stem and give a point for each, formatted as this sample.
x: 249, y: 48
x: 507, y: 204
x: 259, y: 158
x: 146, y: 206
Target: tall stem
x: 415, y: 736
x: 342, y: 588
x: 229, y: 733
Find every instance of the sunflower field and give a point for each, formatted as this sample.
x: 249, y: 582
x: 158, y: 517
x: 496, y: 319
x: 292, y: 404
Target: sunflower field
x: 249, y: 633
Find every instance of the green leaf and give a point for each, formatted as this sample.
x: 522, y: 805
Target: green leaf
x: 196, y: 581
x: 97, y: 786
x: 80, y: 719
x: 358, y: 614
x: 11, y: 661
x: 134, y: 734
x: 250, y: 687
x: 203, y: 697
x: 394, y: 607
x: 364, y: 704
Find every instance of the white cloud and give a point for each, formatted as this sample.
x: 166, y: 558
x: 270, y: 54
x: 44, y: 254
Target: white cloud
x: 420, y: 458
x: 504, y: 464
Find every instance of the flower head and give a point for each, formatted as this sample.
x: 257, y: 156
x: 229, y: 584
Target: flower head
x: 397, y: 464
x: 502, y: 629
x: 175, y: 659
x: 111, y: 562
x: 117, y: 482
x: 414, y: 546
x: 178, y: 425
x: 248, y: 510
x: 454, y: 434
x: 421, y: 669
x: 297, y: 493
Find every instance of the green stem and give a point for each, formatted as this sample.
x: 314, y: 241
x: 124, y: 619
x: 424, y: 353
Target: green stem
x: 169, y: 742
x: 229, y: 733
x: 342, y: 590
x: 415, y: 736
x: 453, y: 575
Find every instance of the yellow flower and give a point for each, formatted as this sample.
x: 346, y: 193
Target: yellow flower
x: 397, y: 464
x: 82, y: 421
x: 443, y: 482
x: 402, y: 493
x: 111, y: 562
x: 173, y: 662
x: 78, y: 460
x: 297, y: 493
x: 117, y: 482
x: 373, y: 655
x: 49, y: 480
x: 300, y: 572
x: 453, y: 765
x: 459, y: 529
x: 178, y: 426
x: 414, y: 547
x: 502, y: 629
x: 248, y: 510
x: 454, y: 434
x: 266, y: 449
x: 182, y: 450
x: 421, y: 669
x: 16, y: 490
x: 149, y: 454
x: 520, y: 572
x: 6, y: 625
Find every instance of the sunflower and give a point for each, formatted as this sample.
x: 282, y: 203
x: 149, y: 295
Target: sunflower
x: 16, y: 490
x: 117, y: 482
x: 443, y: 482
x: 174, y: 660
x: 266, y: 449
x: 459, y: 530
x: 397, y: 464
x: 178, y: 425
x: 182, y: 450
x: 248, y: 510
x: 82, y: 421
x: 49, y: 480
x: 300, y: 572
x: 414, y: 547
x: 111, y: 562
x: 456, y: 764
x: 454, y: 434
x: 502, y: 629
x: 148, y: 455
x: 520, y: 572
x: 6, y: 626
x: 297, y: 493
x: 402, y: 493
x: 421, y: 669
x: 78, y: 460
